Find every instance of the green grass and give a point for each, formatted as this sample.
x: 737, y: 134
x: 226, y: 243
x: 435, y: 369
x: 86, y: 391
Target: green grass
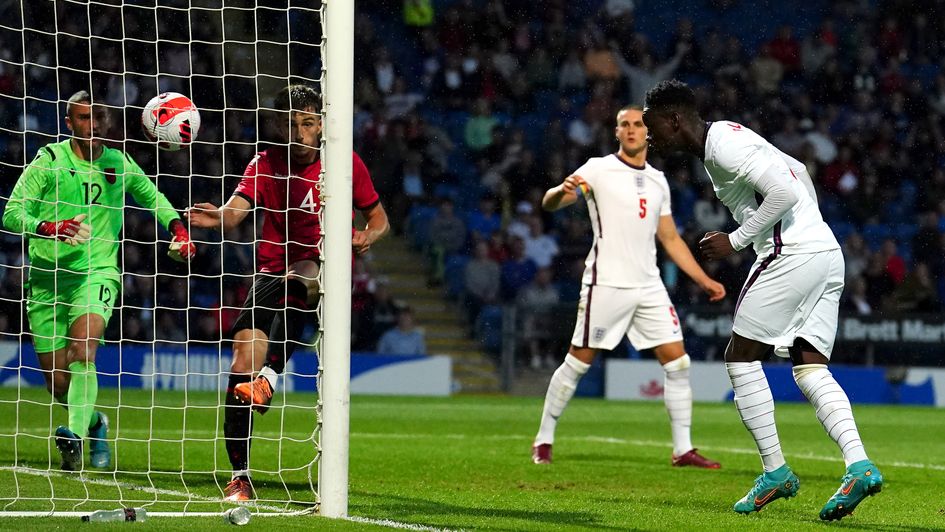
x: 463, y: 463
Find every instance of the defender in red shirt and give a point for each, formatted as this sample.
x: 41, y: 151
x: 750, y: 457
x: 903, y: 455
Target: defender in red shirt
x: 280, y: 184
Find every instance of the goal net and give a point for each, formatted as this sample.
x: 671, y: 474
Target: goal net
x: 164, y: 361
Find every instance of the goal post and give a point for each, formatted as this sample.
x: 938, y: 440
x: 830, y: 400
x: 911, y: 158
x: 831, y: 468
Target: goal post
x: 164, y: 361
x: 338, y: 51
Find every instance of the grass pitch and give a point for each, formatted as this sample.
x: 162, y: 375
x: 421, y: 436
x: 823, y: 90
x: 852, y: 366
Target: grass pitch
x: 463, y: 463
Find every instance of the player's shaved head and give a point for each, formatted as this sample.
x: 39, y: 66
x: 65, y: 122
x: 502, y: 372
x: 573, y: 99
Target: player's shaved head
x: 79, y: 97
x: 298, y: 97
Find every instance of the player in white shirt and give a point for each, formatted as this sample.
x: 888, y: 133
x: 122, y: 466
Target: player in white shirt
x: 629, y: 206
x: 790, y: 300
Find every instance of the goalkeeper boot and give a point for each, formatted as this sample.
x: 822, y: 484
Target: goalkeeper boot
x: 770, y: 486
x: 100, y: 456
x: 239, y: 489
x: 257, y: 393
x: 861, y: 480
x: 541, y: 453
x: 70, y: 447
x: 694, y: 459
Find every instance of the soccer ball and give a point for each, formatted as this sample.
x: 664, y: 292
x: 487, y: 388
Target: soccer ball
x: 171, y: 119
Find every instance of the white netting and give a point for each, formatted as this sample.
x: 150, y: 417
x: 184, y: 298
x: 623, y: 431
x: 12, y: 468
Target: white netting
x: 162, y: 370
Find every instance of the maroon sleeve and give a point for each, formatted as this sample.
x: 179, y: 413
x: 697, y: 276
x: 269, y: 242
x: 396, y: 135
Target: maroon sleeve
x: 250, y: 188
x: 363, y: 194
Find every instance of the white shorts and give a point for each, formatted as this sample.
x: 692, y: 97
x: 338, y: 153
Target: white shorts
x: 645, y: 315
x: 792, y: 296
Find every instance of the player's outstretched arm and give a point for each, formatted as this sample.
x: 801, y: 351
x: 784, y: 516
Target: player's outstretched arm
x: 564, y: 194
x: 377, y: 226
x: 227, y: 217
x: 679, y: 253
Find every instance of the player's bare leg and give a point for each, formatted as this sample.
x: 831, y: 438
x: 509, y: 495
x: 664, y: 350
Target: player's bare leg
x: 832, y: 407
x: 755, y: 406
x: 677, y: 395
x: 560, y: 391
x: 301, y: 294
x: 249, y: 349
x: 84, y: 334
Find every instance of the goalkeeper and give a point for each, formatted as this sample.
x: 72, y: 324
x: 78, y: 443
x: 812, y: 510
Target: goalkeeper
x: 69, y: 203
x: 281, y: 184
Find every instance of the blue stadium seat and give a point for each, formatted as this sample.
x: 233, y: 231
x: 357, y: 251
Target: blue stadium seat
x: 874, y: 234
x: 842, y: 230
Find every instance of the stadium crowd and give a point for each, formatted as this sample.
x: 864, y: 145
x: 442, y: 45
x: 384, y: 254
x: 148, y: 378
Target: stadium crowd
x: 465, y: 118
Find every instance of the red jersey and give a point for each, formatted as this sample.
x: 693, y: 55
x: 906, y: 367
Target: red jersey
x: 291, y: 205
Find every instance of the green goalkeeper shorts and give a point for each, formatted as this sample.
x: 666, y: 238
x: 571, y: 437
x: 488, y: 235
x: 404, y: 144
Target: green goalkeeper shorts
x: 54, y: 303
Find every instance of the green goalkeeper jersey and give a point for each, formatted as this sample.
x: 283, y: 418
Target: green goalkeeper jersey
x: 59, y: 185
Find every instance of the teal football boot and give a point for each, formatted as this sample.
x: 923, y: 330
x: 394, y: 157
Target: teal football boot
x: 769, y: 487
x: 862, y: 480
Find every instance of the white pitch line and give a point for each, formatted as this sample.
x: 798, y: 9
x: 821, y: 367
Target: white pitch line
x: 395, y: 524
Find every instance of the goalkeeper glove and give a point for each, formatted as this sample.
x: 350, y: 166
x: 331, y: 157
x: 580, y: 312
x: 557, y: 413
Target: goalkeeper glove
x: 181, y: 249
x: 73, y: 231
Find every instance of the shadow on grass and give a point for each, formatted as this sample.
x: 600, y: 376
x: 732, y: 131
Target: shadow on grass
x: 406, y: 508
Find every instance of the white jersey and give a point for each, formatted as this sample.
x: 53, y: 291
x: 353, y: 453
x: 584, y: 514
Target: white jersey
x: 625, y: 203
x: 737, y: 160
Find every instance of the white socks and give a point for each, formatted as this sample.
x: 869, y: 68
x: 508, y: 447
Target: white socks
x: 270, y: 375
x: 677, y: 394
x: 756, y: 408
x: 832, y: 408
x: 560, y: 391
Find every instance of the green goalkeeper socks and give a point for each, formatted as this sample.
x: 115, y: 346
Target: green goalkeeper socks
x: 83, y: 391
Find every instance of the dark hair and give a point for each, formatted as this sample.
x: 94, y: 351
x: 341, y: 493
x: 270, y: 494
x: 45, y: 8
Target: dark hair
x: 671, y: 95
x: 297, y: 98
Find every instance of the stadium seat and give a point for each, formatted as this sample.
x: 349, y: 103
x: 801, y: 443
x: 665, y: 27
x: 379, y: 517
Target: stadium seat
x: 874, y: 234
x: 842, y: 230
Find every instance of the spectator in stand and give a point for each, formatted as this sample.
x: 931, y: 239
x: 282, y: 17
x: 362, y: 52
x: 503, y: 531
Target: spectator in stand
x: 517, y: 271
x: 478, y: 130
x: 571, y: 75
x: 856, y: 255
x: 708, y: 213
x: 540, y: 247
x: 895, y: 264
x: 400, y: 101
x: 917, y: 293
x: 648, y: 73
x: 789, y: 139
x: 879, y: 284
x: 927, y: 242
x: 482, y: 278
x: 447, y: 237
x: 766, y: 72
x: 785, y: 48
x: 856, y: 298
x: 520, y: 226
x: 384, y: 70
x: 404, y: 339
x: 382, y: 310
x: 484, y: 221
x: 536, y: 303
x: 601, y: 62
